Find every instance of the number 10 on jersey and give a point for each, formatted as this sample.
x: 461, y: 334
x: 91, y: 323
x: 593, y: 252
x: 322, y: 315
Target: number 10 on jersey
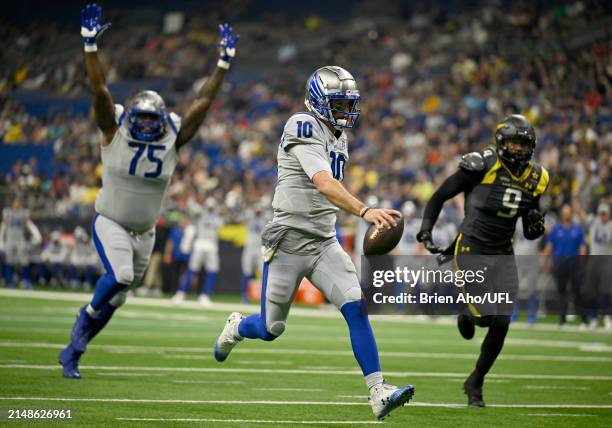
x: 338, y: 160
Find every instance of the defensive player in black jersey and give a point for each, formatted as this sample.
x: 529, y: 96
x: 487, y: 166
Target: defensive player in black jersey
x: 501, y: 184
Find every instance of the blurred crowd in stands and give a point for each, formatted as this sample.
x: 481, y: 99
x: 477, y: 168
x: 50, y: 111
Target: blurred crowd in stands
x: 434, y: 83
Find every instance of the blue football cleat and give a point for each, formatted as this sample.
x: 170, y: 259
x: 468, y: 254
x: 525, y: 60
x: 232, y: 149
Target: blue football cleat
x: 384, y: 398
x: 69, y: 359
x: 81, y: 332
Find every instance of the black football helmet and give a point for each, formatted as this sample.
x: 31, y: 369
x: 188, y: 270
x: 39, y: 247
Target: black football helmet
x: 518, y: 130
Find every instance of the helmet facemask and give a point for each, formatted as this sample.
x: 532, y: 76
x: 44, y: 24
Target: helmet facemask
x: 146, y: 116
x: 515, y: 141
x: 332, y: 96
x: 341, y: 110
x: 146, y: 125
x: 516, y: 151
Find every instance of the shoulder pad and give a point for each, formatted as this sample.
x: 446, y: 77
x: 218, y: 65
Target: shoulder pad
x: 174, y: 120
x: 119, y: 113
x: 301, y: 128
x: 472, y: 162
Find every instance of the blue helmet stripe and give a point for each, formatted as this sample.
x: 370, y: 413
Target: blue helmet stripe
x: 315, y: 86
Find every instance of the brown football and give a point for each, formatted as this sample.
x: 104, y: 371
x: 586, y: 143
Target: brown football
x: 378, y: 241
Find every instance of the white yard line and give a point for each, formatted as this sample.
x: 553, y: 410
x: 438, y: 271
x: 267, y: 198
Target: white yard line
x: 131, y: 374
x: 299, y: 403
x: 297, y: 311
x: 219, y: 382
x: 298, y: 371
x: 304, y: 351
x: 289, y: 389
x: 581, y: 388
x: 250, y: 421
x: 556, y: 414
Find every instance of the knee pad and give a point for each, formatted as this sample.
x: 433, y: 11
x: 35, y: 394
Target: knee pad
x: 125, y: 275
x: 276, y: 329
x: 119, y: 299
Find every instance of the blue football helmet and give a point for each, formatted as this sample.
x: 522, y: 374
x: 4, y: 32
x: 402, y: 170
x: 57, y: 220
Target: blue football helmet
x: 332, y: 96
x: 146, y: 116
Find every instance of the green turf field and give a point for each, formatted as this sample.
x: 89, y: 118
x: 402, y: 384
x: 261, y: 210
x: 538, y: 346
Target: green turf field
x: 153, y: 366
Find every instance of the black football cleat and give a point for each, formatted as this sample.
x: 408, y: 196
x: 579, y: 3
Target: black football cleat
x: 465, y: 324
x: 473, y: 389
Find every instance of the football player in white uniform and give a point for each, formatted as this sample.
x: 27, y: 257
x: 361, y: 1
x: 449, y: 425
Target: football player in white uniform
x: 301, y: 241
x: 53, y: 259
x: 204, y: 253
x: 139, y: 145
x: 256, y: 219
x: 17, y: 234
x: 83, y: 260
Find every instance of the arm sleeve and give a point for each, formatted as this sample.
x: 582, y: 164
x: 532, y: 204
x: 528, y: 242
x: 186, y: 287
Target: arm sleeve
x: 311, y: 157
x: 460, y: 181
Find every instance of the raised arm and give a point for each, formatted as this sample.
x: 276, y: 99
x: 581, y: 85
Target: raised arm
x: 197, y: 111
x: 104, y: 108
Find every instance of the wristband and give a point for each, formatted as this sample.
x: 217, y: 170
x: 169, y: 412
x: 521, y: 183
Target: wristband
x: 363, y: 211
x: 223, y: 64
x: 91, y: 47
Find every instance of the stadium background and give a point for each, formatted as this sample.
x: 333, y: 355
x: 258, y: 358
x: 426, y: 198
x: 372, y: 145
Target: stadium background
x: 435, y: 78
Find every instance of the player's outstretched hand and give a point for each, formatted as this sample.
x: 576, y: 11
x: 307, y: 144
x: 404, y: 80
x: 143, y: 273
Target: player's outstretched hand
x: 382, y: 217
x: 424, y: 236
x: 227, y: 46
x: 91, y: 28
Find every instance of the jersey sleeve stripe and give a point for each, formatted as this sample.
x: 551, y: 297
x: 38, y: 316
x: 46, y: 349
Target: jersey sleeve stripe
x: 172, y: 125
x: 489, y: 177
x: 542, y: 183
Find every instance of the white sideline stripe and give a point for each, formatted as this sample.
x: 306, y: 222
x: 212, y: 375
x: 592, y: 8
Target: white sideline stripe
x: 582, y: 388
x: 250, y: 421
x: 289, y: 389
x: 555, y: 414
x: 298, y: 311
x: 298, y: 371
x: 293, y: 351
x: 301, y: 403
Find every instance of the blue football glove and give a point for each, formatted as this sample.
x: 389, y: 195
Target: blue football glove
x: 90, y: 26
x: 227, y: 46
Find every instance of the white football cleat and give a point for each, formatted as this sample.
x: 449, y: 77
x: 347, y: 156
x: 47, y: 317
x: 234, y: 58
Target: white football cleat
x: 178, y: 298
x: 384, y: 398
x: 204, y: 300
x: 229, y: 337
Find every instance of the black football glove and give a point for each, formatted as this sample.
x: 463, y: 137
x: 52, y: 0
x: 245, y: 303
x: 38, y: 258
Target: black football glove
x: 424, y: 236
x: 533, y: 224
